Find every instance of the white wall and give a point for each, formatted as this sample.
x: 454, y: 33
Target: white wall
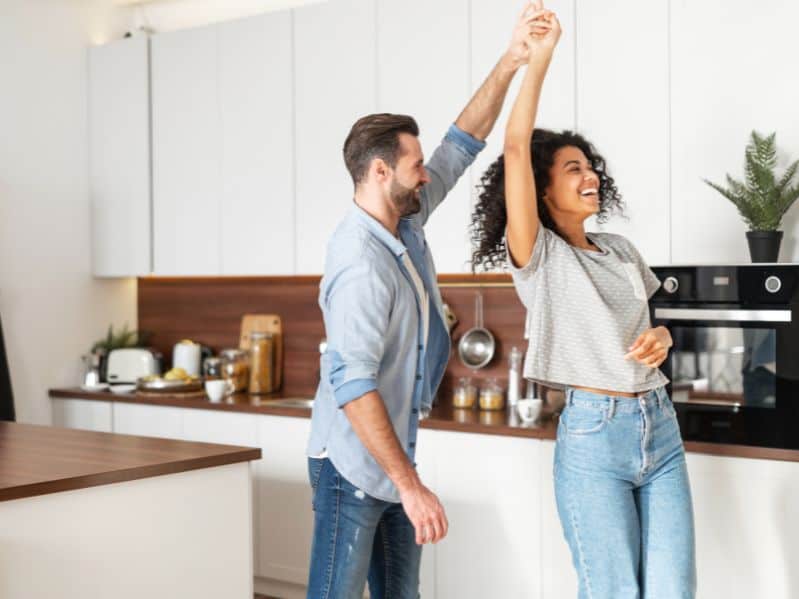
x: 52, y: 309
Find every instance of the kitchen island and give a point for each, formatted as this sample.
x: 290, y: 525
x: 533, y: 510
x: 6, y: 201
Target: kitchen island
x: 91, y: 514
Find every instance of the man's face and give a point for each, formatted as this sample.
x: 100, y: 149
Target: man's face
x: 409, y: 176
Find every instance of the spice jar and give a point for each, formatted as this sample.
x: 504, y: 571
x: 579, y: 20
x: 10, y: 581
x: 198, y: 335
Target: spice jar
x: 261, y: 362
x: 465, y: 394
x: 491, y: 396
x: 236, y: 368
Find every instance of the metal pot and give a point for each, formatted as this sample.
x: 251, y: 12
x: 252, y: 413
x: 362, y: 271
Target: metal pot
x: 477, y: 345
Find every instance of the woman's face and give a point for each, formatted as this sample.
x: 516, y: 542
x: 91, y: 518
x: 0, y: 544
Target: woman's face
x: 573, y: 190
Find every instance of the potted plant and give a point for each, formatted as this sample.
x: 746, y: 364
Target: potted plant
x: 762, y: 199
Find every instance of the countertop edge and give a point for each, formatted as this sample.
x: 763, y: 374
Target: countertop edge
x: 546, y: 432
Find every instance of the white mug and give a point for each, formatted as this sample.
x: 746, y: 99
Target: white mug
x: 216, y: 389
x: 529, y: 409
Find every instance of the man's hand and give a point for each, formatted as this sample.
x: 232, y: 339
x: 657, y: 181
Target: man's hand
x: 425, y: 512
x: 651, y: 348
x: 543, y: 30
x: 531, y: 21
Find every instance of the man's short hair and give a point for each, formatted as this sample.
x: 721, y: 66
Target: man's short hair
x: 375, y: 136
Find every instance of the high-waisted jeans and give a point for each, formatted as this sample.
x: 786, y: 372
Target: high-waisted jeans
x: 623, y: 497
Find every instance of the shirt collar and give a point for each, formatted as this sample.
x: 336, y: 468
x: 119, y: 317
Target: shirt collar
x: 378, y: 230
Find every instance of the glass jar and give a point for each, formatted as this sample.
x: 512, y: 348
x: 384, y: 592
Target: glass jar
x: 491, y: 395
x: 212, y: 368
x: 236, y: 368
x: 261, y: 362
x: 465, y: 393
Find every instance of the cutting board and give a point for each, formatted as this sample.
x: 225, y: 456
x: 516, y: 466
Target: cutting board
x: 265, y: 323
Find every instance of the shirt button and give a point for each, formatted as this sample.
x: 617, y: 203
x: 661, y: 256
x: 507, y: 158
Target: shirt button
x: 412, y: 444
x: 421, y: 347
x: 414, y: 411
x: 418, y: 377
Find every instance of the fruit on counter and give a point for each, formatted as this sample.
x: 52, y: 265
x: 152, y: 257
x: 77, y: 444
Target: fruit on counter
x: 176, y: 374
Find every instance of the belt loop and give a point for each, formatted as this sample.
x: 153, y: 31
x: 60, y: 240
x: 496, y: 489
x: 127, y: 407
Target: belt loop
x: 612, y: 407
x: 569, y: 392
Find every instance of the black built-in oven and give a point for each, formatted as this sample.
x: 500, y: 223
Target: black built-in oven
x: 734, y: 366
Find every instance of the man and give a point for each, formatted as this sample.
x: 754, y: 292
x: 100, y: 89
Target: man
x: 387, y: 349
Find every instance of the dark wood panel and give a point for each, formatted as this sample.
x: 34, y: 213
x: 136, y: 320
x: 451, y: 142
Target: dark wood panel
x: 209, y: 310
x: 36, y: 460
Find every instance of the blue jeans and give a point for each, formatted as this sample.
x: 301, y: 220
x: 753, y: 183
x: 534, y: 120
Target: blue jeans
x: 357, y: 537
x: 623, y: 497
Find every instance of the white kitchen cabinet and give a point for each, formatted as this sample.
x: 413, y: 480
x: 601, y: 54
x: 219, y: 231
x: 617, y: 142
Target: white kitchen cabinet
x: 558, y: 577
x: 747, y: 527
x: 334, y: 69
x: 421, y: 74
x: 148, y: 421
x: 215, y: 426
x: 83, y: 414
x: 285, y: 516
x: 727, y: 78
x: 256, y: 222
x: 490, y: 488
x: 426, y: 466
x: 627, y: 117
x: 119, y: 158
x: 187, y: 183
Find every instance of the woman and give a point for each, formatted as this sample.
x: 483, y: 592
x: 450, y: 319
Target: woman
x: 620, y: 476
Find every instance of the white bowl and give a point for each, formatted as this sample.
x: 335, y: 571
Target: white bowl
x: 97, y: 387
x: 529, y: 409
x: 123, y: 388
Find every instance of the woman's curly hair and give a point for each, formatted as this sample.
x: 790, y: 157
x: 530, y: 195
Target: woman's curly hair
x: 489, y: 217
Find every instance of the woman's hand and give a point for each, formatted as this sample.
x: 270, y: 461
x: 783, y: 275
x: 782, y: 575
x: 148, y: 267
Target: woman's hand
x: 651, y: 348
x: 531, y: 21
x: 543, y: 31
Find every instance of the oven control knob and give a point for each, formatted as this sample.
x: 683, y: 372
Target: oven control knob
x: 671, y: 284
x: 773, y: 284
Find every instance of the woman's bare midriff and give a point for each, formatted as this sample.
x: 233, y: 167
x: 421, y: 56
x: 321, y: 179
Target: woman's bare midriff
x: 606, y: 391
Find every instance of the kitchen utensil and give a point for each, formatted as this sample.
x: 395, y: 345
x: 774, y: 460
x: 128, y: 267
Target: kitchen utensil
x: 216, y: 389
x: 514, y: 380
x: 452, y: 319
x: 128, y: 364
x: 265, y: 323
x: 477, y: 345
x: 91, y: 378
x: 162, y: 385
x: 212, y: 368
x: 186, y: 355
x: 123, y: 388
x: 529, y: 408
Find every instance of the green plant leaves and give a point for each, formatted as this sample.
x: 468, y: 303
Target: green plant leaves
x: 124, y: 338
x: 761, y: 199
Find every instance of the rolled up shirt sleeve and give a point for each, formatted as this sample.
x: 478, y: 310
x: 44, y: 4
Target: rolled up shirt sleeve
x: 359, y: 302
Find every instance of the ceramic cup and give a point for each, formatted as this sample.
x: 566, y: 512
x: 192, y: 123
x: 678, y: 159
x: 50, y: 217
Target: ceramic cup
x: 216, y: 389
x: 529, y: 409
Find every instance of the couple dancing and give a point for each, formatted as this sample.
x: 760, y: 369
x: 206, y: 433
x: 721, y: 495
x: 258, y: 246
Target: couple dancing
x: 620, y: 476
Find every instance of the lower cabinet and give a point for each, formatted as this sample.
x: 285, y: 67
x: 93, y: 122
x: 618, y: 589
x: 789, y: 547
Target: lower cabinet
x: 504, y: 538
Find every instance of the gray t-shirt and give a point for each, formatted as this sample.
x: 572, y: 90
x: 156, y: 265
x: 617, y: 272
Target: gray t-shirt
x: 585, y: 308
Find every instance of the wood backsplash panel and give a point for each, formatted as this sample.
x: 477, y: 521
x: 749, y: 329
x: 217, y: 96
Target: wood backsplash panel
x: 209, y: 310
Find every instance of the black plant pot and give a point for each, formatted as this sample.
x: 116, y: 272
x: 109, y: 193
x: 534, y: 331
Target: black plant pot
x: 764, y: 246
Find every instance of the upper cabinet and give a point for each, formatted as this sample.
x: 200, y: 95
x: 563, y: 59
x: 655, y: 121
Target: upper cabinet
x: 119, y: 159
x: 334, y: 50
x: 420, y: 76
x: 223, y: 195
x: 187, y: 182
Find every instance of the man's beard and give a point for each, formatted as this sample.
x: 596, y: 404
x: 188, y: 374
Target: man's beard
x: 405, y: 199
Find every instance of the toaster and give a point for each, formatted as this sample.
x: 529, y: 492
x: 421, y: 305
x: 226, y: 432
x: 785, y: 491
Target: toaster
x: 126, y: 365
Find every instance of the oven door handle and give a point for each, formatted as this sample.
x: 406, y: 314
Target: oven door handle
x: 716, y: 314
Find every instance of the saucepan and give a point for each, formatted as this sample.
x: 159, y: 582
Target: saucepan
x: 477, y: 345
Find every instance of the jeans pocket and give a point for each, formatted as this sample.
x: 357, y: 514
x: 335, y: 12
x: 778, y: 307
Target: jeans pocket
x: 578, y: 420
x: 315, y: 471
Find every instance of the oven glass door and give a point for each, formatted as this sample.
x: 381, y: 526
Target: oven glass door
x: 734, y: 374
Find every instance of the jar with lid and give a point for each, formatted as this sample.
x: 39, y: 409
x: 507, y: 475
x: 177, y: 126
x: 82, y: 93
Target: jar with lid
x: 491, y: 395
x: 465, y: 393
x: 235, y: 368
x: 261, y: 362
x: 212, y: 368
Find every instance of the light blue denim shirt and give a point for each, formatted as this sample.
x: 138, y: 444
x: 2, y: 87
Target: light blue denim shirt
x: 374, y: 328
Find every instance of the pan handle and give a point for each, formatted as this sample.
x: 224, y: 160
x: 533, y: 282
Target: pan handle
x: 478, y: 310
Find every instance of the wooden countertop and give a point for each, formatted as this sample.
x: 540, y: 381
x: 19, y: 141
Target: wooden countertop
x: 443, y: 417
x: 37, y: 460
